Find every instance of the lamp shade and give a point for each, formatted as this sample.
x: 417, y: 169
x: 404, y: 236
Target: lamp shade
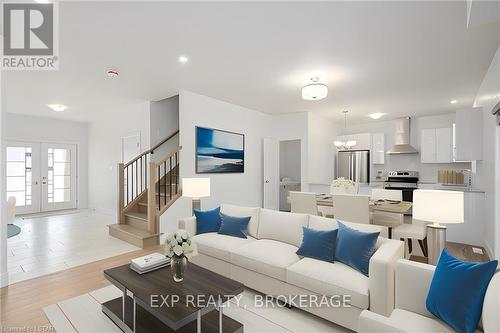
x: 196, y: 187
x: 314, y: 92
x: 438, y: 206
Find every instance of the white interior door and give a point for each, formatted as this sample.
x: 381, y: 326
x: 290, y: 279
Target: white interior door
x: 23, y: 175
x: 271, y: 174
x: 58, y: 176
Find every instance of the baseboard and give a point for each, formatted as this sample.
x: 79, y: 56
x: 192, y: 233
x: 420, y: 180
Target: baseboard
x: 4, y: 279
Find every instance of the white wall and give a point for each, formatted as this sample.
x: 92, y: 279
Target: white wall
x: 238, y: 188
x: 43, y: 129
x: 428, y: 172
x: 164, y: 121
x: 488, y: 170
x: 322, y: 153
x: 105, y: 151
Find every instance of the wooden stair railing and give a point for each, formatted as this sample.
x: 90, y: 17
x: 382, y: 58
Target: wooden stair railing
x: 146, y: 189
x: 164, y: 178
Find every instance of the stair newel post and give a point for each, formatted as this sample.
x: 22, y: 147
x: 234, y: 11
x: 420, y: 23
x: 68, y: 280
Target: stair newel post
x: 121, y: 193
x: 152, y: 215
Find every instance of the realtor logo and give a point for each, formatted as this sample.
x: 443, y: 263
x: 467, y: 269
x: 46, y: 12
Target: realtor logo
x: 30, y: 36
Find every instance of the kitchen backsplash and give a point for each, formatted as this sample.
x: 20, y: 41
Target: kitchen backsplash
x: 428, y: 173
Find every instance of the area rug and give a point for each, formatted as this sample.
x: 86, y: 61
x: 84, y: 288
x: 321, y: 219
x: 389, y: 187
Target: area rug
x: 82, y: 314
x: 12, y: 230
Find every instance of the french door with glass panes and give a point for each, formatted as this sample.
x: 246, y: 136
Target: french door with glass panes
x: 42, y: 176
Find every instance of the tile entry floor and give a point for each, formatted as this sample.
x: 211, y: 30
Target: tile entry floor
x: 49, y: 244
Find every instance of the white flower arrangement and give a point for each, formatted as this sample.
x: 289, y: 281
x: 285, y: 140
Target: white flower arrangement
x: 342, y: 182
x: 179, y: 244
x: 343, y: 186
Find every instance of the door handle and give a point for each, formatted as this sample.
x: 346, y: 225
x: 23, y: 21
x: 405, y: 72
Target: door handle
x: 267, y: 181
x: 44, y: 183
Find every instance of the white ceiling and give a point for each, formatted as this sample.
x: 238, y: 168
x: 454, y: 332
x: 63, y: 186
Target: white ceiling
x: 401, y: 58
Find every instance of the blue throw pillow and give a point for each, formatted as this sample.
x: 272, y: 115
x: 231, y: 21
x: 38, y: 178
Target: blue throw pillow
x: 234, y: 226
x: 318, y: 244
x: 355, y: 248
x: 457, y: 291
x: 207, y: 221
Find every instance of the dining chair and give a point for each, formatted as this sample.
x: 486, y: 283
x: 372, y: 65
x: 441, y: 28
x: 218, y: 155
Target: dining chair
x: 303, y: 202
x: 386, y: 219
x: 409, y: 231
x: 325, y: 211
x: 351, y: 208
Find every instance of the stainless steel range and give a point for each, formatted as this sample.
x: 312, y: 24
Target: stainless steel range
x: 405, y: 181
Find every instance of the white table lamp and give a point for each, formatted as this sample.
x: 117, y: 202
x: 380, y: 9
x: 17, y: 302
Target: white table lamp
x: 196, y: 188
x: 438, y: 206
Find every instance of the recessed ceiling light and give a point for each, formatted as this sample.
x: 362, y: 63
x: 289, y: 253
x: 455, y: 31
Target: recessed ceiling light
x: 112, y: 73
x: 376, y: 115
x: 57, y: 107
x: 183, y: 59
x: 453, y: 101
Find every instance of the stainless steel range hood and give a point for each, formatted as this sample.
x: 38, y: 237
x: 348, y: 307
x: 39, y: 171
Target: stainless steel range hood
x: 402, y: 145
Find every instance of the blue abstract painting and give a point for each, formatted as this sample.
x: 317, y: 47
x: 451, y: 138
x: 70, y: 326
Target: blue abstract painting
x: 219, y: 151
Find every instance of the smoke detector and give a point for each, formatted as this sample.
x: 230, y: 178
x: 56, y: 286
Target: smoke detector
x: 112, y: 73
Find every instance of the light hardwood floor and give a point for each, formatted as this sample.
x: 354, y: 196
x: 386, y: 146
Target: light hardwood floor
x: 21, y: 303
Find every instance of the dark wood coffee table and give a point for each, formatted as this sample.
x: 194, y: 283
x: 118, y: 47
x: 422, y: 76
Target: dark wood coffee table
x: 135, y: 311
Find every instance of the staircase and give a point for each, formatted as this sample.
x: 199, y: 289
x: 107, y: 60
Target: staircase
x: 147, y: 188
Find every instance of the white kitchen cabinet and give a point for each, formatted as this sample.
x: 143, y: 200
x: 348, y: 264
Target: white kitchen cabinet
x: 444, y: 145
x: 468, y: 136
x: 436, y: 145
x: 378, y: 148
x: 428, y: 146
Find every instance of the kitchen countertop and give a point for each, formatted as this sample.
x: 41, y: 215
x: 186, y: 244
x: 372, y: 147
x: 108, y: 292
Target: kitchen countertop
x: 458, y: 188
x: 438, y: 187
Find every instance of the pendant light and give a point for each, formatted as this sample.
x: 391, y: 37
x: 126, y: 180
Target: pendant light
x: 345, y: 144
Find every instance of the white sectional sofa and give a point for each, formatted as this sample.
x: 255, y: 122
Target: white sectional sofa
x: 413, y: 280
x: 266, y: 261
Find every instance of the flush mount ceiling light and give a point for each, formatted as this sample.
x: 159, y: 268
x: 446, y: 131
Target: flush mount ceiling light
x: 42, y: 1
x: 453, y: 101
x: 112, y: 73
x: 314, y: 91
x: 345, y: 144
x: 183, y: 59
x: 57, y: 107
x: 376, y: 115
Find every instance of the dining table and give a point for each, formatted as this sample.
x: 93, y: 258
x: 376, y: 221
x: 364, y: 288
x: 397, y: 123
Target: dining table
x: 397, y: 207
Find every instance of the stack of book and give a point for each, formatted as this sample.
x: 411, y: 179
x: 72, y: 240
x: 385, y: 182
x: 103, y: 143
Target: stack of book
x: 149, y: 263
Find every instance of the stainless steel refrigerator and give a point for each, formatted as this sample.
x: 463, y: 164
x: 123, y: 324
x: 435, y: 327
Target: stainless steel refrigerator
x: 354, y: 165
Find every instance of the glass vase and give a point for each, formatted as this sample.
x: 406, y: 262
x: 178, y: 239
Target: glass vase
x: 178, y: 266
